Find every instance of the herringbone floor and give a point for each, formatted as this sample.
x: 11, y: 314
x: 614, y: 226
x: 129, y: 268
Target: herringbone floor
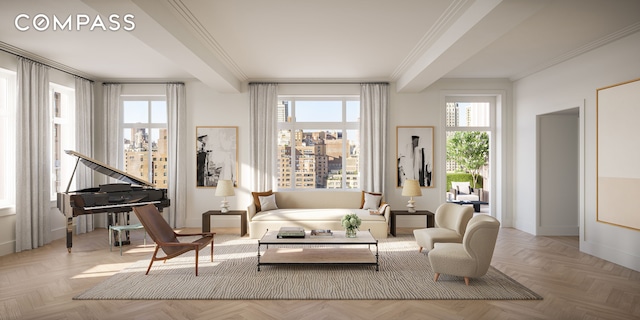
x: 40, y: 284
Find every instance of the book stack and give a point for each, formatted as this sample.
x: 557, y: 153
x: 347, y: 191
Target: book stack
x: 321, y: 233
x: 291, y: 232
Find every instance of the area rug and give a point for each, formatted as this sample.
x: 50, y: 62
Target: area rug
x: 405, y: 274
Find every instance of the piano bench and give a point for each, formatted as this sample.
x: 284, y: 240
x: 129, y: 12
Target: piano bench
x: 120, y: 229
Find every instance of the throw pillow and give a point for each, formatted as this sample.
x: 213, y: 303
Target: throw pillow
x: 371, y: 201
x: 256, y: 200
x: 363, y: 198
x: 268, y: 202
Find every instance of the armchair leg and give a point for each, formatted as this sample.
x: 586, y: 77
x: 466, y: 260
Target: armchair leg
x: 466, y: 280
x: 420, y: 250
x: 435, y: 277
x: 152, y: 258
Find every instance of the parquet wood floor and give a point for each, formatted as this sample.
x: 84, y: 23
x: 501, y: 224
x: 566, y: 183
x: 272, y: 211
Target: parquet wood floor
x: 40, y: 284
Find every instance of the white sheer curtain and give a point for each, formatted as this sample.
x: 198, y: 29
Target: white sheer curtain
x: 374, y: 101
x: 84, y: 145
x: 112, y: 138
x: 177, y: 191
x: 33, y: 134
x: 263, y: 128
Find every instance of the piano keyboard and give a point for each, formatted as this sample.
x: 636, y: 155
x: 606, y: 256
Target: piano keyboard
x: 135, y: 204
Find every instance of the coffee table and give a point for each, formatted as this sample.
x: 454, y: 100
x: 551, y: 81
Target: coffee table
x: 337, y: 249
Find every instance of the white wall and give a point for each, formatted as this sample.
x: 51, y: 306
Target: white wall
x: 565, y: 86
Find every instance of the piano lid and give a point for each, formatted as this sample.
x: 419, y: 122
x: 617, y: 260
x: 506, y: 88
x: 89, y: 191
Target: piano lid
x: 109, y: 171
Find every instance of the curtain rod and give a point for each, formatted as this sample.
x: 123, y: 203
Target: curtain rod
x: 148, y: 82
x: 45, y: 64
x: 360, y: 82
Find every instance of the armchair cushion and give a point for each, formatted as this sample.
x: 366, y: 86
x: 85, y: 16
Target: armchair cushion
x: 450, y: 224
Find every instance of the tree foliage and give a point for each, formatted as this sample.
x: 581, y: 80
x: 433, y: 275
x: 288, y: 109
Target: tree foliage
x: 470, y: 150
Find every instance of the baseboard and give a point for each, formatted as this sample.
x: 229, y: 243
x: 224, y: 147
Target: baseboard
x: 558, y: 231
x: 8, y: 247
x: 611, y: 254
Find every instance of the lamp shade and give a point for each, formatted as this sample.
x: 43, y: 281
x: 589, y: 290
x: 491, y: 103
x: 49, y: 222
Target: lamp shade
x: 411, y: 188
x: 225, y: 188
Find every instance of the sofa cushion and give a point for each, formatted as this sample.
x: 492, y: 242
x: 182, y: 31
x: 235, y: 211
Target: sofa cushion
x: 268, y: 202
x: 256, y: 199
x: 365, y: 193
x: 314, y: 215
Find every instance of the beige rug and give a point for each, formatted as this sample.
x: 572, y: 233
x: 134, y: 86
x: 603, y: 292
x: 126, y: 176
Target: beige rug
x: 404, y: 274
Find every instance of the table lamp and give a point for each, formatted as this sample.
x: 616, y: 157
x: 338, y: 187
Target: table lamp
x: 411, y: 189
x: 225, y: 189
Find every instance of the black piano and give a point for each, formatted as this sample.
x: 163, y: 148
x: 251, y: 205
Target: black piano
x: 113, y: 198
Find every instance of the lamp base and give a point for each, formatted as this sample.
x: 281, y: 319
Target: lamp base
x: 224, y: 206
x: 410, y: 206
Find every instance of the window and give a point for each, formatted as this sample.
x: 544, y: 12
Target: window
x: 62, y: 101
x: 145, y: 138
x: 7, y: 139
x: 318, y: 143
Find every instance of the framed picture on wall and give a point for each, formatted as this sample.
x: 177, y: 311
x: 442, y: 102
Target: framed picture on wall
x: 216, y: 155
x: 414, y: 155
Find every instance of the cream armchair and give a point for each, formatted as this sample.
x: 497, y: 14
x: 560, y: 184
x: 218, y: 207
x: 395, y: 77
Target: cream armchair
x: 472, y: 257
x: 450, y: 223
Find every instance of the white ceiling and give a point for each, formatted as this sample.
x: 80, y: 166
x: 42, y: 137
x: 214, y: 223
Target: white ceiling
x: 226, y: 44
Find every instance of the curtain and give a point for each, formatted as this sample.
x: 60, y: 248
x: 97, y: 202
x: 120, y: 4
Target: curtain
x: 263, y: 102
x: 112, y: 138
x: 84, y: 145
x: 374, y: 101
x: 177, y: 189
x: 33, y: 163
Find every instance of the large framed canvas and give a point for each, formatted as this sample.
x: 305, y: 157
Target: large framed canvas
x: 216, y: 155
x: 618, y: 180
x: 414, y: 155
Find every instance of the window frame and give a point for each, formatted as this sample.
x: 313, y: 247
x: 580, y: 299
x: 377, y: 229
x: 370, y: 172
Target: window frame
x: 149, y: 125
x: 67, y: 123
x: 344, y: 126
x: 8, y: 109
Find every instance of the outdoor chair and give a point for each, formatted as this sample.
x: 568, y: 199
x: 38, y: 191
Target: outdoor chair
x: 167, y: 239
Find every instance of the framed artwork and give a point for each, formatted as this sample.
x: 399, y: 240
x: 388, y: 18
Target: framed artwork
x: 414, y: 155
x: 216, y: 155
x: 617, y: 180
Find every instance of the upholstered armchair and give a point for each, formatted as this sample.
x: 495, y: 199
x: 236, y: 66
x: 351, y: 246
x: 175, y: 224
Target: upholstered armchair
x: 472, y: 257
x: 450, y: 223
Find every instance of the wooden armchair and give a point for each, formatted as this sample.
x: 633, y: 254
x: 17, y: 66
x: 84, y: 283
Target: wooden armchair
x: 167, y: 239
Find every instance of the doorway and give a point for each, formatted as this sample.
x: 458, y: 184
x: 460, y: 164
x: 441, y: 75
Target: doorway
x: 470, y: 148
x: 559, y: 168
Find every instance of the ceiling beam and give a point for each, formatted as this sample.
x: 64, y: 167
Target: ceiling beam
x: 159, y: 28
x: 483, y: 22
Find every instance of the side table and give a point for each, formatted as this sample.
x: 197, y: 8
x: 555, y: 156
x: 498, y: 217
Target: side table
x: 428, y: 214
x: 206, y: 219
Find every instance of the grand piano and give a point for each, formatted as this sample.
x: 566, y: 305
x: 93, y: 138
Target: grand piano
x: 113, y: 198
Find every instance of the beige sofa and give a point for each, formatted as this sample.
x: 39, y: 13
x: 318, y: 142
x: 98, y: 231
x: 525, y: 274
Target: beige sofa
x: 316, y: 210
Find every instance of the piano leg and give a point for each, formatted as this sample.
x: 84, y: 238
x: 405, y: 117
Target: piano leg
x: 69, y: 233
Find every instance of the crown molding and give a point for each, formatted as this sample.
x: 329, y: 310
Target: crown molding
x: 181, y: 10
x: 581, y: 50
